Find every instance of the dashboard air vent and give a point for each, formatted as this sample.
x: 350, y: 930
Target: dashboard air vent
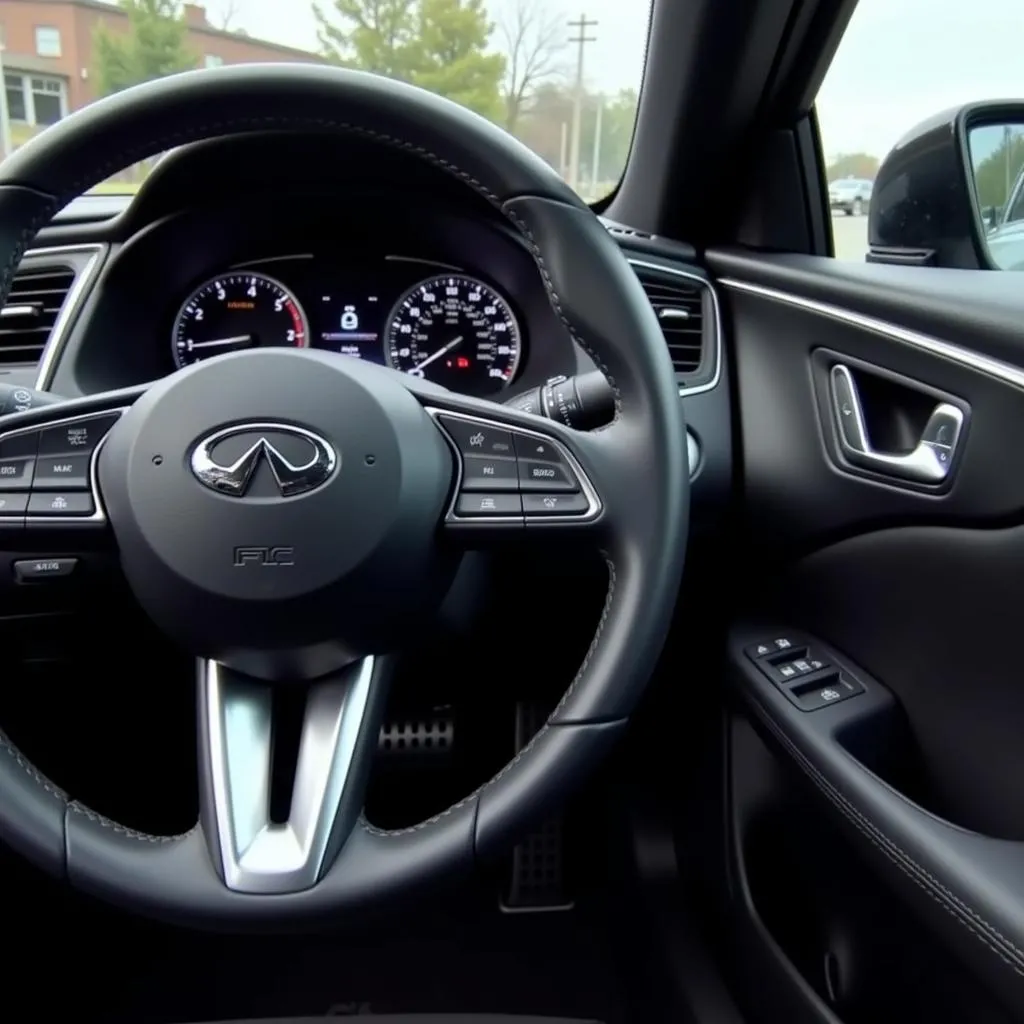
x: 679, y: 307
x: 32, y: 308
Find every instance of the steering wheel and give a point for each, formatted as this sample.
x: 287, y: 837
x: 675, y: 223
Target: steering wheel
x: 285, y: 514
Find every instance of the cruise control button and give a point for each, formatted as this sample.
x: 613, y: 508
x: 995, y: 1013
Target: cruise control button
x: 76, y: 435
x: 480, y: 473
x: 554, y: 504
x: 57, y: 473
x: 13, y: 504
x: 546, y: 476
x: 484, y: 505
x: 477, y: 439
x: 16, y: 474
x: 20, y: 445
x: 67, y: 503
x: 38, y: 570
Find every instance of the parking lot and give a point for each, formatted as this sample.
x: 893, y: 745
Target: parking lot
x: 850, y: 236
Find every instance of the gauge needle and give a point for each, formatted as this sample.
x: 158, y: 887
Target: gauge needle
x: 222, y: 342
x: 440, y: 352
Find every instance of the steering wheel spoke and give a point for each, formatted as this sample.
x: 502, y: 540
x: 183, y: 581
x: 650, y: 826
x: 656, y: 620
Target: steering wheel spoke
x: 515, y: 473
x: 244, y: 754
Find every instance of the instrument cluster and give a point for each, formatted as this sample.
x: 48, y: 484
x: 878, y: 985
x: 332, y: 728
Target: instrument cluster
x: 432, y: 320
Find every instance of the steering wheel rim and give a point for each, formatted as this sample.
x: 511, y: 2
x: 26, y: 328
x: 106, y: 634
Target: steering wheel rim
x: 637, y: 465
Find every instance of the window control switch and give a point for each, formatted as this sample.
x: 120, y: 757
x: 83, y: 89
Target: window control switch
x: 812, y: 695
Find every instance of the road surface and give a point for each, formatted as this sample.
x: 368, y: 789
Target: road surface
x: 850, y: 237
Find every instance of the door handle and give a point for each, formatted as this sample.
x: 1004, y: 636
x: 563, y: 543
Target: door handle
x: 931, y: 459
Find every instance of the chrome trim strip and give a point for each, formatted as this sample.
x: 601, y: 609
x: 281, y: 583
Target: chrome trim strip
x: 68, y: 310
x: 996, y: 368
x: 258, y: 855
x: 685, y: 392
x: 99, y: 515
x: 594, y: 506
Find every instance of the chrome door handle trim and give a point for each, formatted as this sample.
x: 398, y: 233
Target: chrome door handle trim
x: 929, y: 462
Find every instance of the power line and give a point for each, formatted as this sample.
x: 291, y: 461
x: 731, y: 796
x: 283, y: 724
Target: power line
x: 581, y: 24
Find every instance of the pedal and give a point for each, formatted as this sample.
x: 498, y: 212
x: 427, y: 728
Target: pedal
x: 537, y: 874
x: 424, y: 737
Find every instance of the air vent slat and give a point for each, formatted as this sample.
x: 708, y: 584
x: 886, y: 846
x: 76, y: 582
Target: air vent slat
x: 31, y: 310
x: 679, y: 308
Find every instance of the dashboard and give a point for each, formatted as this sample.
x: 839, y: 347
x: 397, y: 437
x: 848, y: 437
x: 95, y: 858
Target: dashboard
x: 435, y: 291
x: 353, y: 249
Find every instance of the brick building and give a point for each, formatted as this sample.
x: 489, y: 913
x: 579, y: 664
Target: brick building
x: 48, y: 55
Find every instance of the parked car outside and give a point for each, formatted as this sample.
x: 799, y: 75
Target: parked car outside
x: 851, y: 195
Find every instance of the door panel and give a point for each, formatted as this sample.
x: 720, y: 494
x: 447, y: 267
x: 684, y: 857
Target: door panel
x: 914, y: 592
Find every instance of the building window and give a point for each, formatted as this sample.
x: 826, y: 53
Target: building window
x: 35, y: 99
x: 47, y: 41
x: 213, y: 61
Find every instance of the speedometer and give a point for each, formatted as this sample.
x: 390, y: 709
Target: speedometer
x: 234, y: 312
x: 457, y: 332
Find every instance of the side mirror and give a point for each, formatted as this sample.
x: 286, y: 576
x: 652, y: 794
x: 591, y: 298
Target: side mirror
x: 951, y: 192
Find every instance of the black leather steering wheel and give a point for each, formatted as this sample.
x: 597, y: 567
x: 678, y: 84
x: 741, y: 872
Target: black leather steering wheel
x: 285, y: 514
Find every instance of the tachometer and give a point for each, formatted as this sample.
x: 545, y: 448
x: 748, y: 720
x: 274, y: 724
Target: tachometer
x: 457, y: 332
x: 234, y: 312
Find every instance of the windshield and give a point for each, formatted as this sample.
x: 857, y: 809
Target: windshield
x: 564, y: 82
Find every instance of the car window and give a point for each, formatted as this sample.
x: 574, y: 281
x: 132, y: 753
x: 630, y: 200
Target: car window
x: 900, y: 62
x: 565, y: 83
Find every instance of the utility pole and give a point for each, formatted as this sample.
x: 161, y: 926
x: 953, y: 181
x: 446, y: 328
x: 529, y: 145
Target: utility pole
x: 1007, y: 146
x: 581, y: 24
x: 595, y: 165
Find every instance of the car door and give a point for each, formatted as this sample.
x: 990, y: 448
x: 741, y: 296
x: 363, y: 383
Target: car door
x: 872, y: 746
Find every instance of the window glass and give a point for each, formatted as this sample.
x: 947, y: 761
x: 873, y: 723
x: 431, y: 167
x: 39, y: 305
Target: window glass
x: 900, y: 62
x: 47, y: 101
x: 14, y: 93
x: 564, y: 83
x: 47, y: 41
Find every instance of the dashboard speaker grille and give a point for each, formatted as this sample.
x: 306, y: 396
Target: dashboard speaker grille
x: 32, y: 308
x: 679, y: 307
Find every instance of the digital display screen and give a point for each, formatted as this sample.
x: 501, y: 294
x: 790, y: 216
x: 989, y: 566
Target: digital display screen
x: 350, y: 320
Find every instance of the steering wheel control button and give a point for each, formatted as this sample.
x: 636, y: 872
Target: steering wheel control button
x: 16, y: 474
x: 485, y: 505
x: 20, y: 446
x: 41, y: 570
x: 62, y: 472
x: 12, y: 504
x: 79, y: 436
x: 533, y: 448
x: 480, y: 473
x: 478, y: 439
x: 554, y: 504
x: 62, y: 504
x: 546, y: 476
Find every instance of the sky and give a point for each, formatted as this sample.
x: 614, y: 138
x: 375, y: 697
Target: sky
x: 904, y: 60
x: 613, y: 61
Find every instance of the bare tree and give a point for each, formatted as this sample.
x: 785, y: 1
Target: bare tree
x: 534, y: 40
x: 227, y: 11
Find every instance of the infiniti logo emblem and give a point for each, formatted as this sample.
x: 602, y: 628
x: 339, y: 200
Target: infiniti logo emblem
x: 227, y: 460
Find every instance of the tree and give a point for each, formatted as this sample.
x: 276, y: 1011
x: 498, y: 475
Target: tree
x: 852, y: 165
x: 154, y: 45
x: 226, y: 15
x: 453, y: 59
x: 534, y: 40
x: 441, y: 45
x: 371, y: 35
